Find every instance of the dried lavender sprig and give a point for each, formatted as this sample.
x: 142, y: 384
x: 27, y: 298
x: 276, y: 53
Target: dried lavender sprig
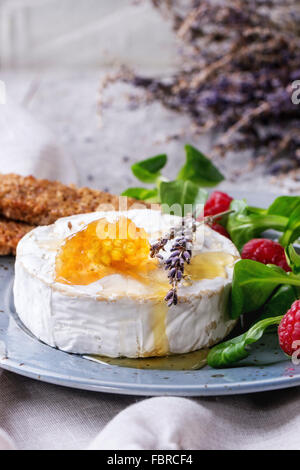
x: 188, y: 226
x: 181, y: 251
x: 171, y: 297
x: 161, y: 242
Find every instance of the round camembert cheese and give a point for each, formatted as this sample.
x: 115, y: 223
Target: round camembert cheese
x: 120, y: 315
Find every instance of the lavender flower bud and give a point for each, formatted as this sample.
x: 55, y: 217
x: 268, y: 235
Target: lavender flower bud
x: 186, y: 256
x: 155, y: 246
x: 172, y: 272
x: 169, y: 296
x: 175, y: 253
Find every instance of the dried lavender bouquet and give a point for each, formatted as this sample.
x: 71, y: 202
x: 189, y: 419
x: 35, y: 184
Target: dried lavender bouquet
x: 181, y: 251
x: 240, y: 58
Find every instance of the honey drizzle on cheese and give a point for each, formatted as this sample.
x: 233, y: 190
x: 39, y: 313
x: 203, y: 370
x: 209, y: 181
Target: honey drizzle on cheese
x: 159, y: 323
x: 205, y: 265
x: 209, y: 265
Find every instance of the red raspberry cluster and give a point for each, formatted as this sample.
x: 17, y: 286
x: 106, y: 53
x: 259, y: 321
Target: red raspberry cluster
x: 289, y: 330
x: 265, y: 251
x: 216, y: 203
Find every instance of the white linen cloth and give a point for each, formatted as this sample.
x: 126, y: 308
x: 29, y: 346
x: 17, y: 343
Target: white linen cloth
x: 6, y: 442
x: 29, y: 148
x: 38, y: 415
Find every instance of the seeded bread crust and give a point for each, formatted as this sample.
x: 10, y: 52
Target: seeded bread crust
x: 11, y: 233
x: 42, y: 202
x: 26, y: 202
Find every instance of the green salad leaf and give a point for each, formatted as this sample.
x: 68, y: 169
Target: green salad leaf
x: 280, y: 302
x: 148, y: 171
x: 186, y: 189
x: 256, y: 210
x: 181, y: 193
x: 292, y: 230
x: 287, y: 206
x: 142, y: 194
x: 199, y: 169
x: 293, y: 259
x: 234, y: 350
x: 284, y: 205
x: 231, y: 351
x: 246, y: 223
x: 249, y: 222
x: 254, y: 282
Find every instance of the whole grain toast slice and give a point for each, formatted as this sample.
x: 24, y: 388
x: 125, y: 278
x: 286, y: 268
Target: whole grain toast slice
x: 42, y: 202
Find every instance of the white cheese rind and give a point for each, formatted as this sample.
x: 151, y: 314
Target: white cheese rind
x: 114, y: 316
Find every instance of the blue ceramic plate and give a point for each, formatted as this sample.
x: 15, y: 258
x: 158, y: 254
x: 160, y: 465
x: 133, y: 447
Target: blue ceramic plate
x: 265, y: 369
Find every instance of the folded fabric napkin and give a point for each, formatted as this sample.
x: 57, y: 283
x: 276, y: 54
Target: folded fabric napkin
x: 169, y: 423
x: 29, y: 148
x: 164, y: 423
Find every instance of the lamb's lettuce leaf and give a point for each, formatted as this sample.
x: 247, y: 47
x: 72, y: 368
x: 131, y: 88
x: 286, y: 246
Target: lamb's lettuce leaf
x: 199, y: 169
x: 228, y: 353
x: 148, y: 171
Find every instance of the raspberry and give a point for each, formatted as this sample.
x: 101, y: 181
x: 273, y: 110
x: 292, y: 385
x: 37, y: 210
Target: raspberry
x: 289, y: 329
x: 220, y: 229
x: 217, y: 202
x: 266, y: 252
